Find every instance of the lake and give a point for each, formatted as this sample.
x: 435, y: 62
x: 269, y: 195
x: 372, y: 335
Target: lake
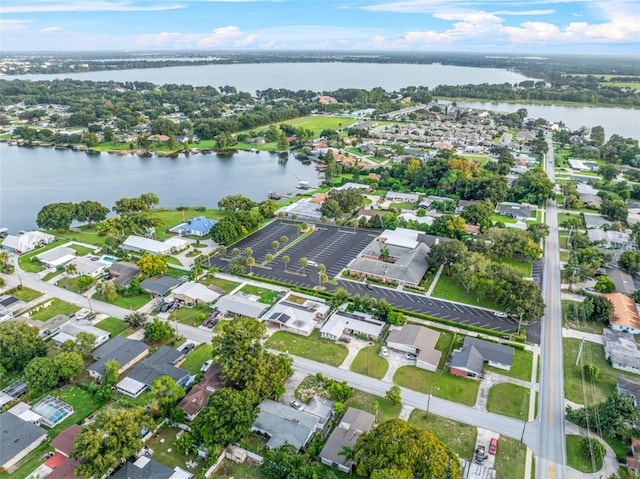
x: 34, y: 177
x: 318, y: 77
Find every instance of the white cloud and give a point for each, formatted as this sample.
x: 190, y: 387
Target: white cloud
x: 7, y: 25
x: 50, y: 29
x: 88, y: 6
x: 528, y: 13
x: 220, y: 36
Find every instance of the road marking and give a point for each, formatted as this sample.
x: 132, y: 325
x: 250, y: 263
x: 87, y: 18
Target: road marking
x: 551, y: 471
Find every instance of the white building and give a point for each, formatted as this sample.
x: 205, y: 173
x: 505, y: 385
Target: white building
x: 359, y: 323
x: 140, y: 244
x: 27, y: 241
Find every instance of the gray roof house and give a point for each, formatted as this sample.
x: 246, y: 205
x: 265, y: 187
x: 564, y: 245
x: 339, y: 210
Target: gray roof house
x: 355, y: 422
x: 593, y: 220
x: 159, y: 286
x: 623, y: 281
x: 629, y: 388
x: 17, y: 439
x: 409, y: 267
x: 517, y: 211
x: 475, y: 353
x: 160, y: 363
x: 122, y: 272
x: 241, y: 305
x: 124, y: 350
x: 146, y: 468
x: 620, y: 348
x: 417, y: 340
x: 282, y: 424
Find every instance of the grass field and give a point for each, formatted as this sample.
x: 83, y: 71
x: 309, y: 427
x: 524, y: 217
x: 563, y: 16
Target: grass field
x: 442, y: 385
x: 605, y: 383
x: 25, y: 294
x: 575, y: 458
x: 366, y: 401
x: 523, y: 266
x: 191, y: 316
x: 502, y: 218
x: 584, y: 326
x: 30, y: 463
x: 521, y: 367
x: 461, y: 438
x: 370, y: 363
x: 81, y: 250
x: 312, y: 347
x: 196, y: 358
x: 223, y: 284
x: 267, y: 296
x: 444, y: 345
x: 448, y: 289
x: 29, y: 263
x: 509, y: 400
x: 319, y: 123
x: 56, y: 306
x: 114, y: 326
x: 131, y: 303
x: 82, y: 234
x: 510, y: 458
x: 83, y: 404
x: 72, y: 284
x: 173, y: 260
x: 165, y: 452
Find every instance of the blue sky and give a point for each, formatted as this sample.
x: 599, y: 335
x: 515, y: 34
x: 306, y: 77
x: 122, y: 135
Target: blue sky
x: 537, y: 26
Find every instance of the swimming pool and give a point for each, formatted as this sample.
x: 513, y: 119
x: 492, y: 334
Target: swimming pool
x: 109, y: 259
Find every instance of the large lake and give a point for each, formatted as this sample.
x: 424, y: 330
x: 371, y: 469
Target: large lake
x: 33, y: 177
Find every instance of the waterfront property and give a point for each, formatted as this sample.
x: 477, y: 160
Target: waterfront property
x: 139, y: 244
x: 198, y: 226
x: 56, y: 257
x: 27, y: 241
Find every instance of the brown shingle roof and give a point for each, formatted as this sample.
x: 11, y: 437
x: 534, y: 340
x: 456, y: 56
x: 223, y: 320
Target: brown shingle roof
x: 625, y: 312
x: 64, y: 441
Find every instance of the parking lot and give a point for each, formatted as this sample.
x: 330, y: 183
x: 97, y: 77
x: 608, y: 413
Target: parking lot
x: 332, y: 246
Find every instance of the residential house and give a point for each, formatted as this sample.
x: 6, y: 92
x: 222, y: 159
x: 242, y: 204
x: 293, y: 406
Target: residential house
x: 593, y: 220
x: 398, y: 197
x: 17, y: 439
x: 61, y: 462
x: 475, y: 353
x: 198, y: 226
x: 161, y: 363
x: 355, y: 422
x: 198, y: 396
x: 633, y: 461
x: 321, y: 409
x: 430, y: 200
x: 146, y: 468
x: 412, y: 217
x: 122, y: 272
x: 629, y: 388
x: 591, y: 201
x: 462, y: 204
x: 579, y: 165
x: 297, y: 314
x: 586, y: 189
x: 241, y: 304
x: 623, y: 281
x: 124, y: 350
x: 159, y: 285
x: 621, y: 349
x: 9, y: 306
x: 92, y: 266
x: 70, y: 332
x: 12, y: 392
x: 27, y: 241
x: 284, y: 424
x: 625, y: 316
x: 140, y: 244
x: 517, y: 211
x: 192, y: 293
x: 56, y: 257
x: 357, y: 323
x: 417, y: 340
x: 48, y: 328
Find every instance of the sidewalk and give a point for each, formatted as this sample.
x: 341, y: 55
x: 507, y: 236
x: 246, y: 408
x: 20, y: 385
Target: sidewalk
x: 591, y: 337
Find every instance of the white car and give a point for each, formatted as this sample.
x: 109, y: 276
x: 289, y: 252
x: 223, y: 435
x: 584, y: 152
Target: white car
x: 297, y: 405
x: 384, y: 352
x: 500, y: 314
x: 207, y: 364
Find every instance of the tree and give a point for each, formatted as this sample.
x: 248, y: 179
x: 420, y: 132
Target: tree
x: 538, y: 231
x: 71, y: 269
x: 614, y: 208
x: 630, y: 261
x: 68, y: 364
x: 601, y: 308
x: 449, y: 226
x: 250, y: 263
x: 468, y: 270
x: 275, y: 244
x: 108, y: 380
x: 446, y: 253
x: 90, y: 212
x: 396, y: 449
x: 532, y: 187
x: 268, y: 258
x: 597, y: 136
x: 591, y: 372
x: 56, y: 216
x: 592, y: 450
x: 111, y: 438
x: 479, y: 214
x: 151, y: 265
x: 608, y: 172
x: 284, y: 240
x: 396, y: 318
x: 340, y: 297
x: 393, y: 395
x: 41, y: 375
x: 285, y: 260
x: 604, y: 284
x: 322, y: 270
x: 248, y: 251
x: 285, y: 462
x: 226, y: 419
x: 166, y: 393
x: 614, y: 416
x: 236, y: 203
x: 135, y: 319
x: 85, y: 342
x: 19, y: 344
x: 156, y: 330
x: 267, y: 208
x: 303, y: 262
x: 107, y: 290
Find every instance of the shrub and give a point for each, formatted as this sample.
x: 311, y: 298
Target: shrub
x: 591, y: 372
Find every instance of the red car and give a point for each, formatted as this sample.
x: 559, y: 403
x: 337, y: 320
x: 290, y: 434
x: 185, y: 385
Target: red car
x: 493, y: 446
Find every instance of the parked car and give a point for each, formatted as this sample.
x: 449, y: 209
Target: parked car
x: 369, y: 287
x: 345, y: 339
x: 480, y: 455
x: 384, y: 351
x: 187, y: 348
x: 493, y: 446
x: 500, y: 314
x: 411, y: 356
x: 207, y: 364
x: 297, y: 405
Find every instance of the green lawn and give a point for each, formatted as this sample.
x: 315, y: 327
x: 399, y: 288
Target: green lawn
x: 312, y: 347
x: 196, y: 358
x: 319, y: 123
x: 56, y: 306
x: 52, y: 275
x: 605, y: 383
x: 403, y: 206
x: 25, y: 294
x: 172, y: 260
x: 448, y: 289
x: 81, y: 250
x: 83, y: 404
x: 267, y: 296
x: 223, y: 284
x: 366, y: 401
x: 191, y: 316
x: 29, y: 263
x: 504, y: 219
x: 509, y: 400
x: 562, y: 217
x: 523, y: 266
x: 30, y: 463
x: 442, y: 385
x: 369, y: 362
x: 585, y: 326
x: 510, y: 458
x: 444, y: 345
x: 165, y: 452
x: 171, y: 218
x: 131, y: 303
x: 461, y: 438
x: 576, y: 460
x: 521, y: 367
x: 112, y: 325
x: 229, y: 469
x: 82, y: 234
x: 71, y: 283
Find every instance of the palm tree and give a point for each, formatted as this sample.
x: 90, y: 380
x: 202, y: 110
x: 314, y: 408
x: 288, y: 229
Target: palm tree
x: 384, y: 254
x: 71, y: 269
x: 323, y: 278
x: 303, y: 262
x: 250, y: 263
x: 235, y: 252
x: 5, y: 262
x: 284, y: 240
x: 355, y: 224
x: 275, y: 244
x: 268, y: 258
x: 222, y: 249
x: 322, y: 269
x: 248, y: 251
x: 299, y: 228
x: 285, y: 261
x: 196, y: 269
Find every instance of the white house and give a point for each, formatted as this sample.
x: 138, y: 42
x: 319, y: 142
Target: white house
x: 70, y: 331
x: 56, y: 257
x: 621, y: 349
x: 417, y: 340
x: 27, y: 241
x: 140, y: 244
x: 341, y: 322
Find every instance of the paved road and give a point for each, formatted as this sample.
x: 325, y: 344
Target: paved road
x: 551, y: 447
